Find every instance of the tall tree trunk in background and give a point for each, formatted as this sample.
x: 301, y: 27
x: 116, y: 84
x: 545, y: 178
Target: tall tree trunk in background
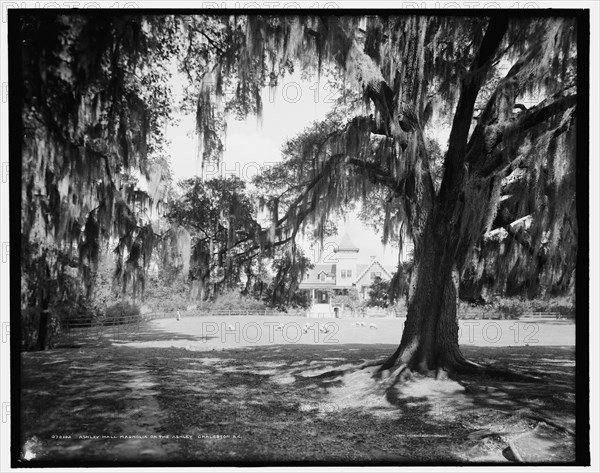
x: 42, y: 341
x: 44, y: 321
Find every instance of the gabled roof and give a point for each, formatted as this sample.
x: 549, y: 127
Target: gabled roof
x: 373, y: 263
x: 346, y: 244
x: 313, y: 274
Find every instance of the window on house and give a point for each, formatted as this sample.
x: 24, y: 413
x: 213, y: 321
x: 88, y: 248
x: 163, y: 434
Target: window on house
x: 322, y: 276
x: 349, y: 273
x: 343, y: 273
x: 375, y: 275
x: 323, y: 296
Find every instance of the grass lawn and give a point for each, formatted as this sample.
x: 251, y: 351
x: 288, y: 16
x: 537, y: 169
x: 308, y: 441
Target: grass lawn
x: 187, y: 391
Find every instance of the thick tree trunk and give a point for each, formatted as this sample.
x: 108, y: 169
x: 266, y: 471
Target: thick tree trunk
x: 430, y: 338
x: 42, y: 340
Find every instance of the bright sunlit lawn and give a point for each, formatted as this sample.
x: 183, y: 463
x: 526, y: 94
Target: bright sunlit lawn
x: 196, y: 390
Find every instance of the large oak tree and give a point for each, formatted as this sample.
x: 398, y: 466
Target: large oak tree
x: 505, y: 161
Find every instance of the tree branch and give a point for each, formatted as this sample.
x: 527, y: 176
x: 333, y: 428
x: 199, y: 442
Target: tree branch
x: 375, y: 172
x: 212, y: 42
x: 455, y: 157
x: 489, y: 115
x: 508, y: 140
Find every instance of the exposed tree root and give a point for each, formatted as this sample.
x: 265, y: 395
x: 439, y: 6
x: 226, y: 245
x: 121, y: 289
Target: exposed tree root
x: 383, y: 365
x: 466, y: 367
x: 441, y: 374
x: 389, y: 379
x: 392, y: 371
x: 332, y: 374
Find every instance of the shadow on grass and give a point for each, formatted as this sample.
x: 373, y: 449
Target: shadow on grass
x: 105, y: 336
x: 268, y: 404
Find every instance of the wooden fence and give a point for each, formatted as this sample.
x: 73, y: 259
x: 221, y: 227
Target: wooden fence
x: 220, y: 313
x: 462, y: 314
x: 486, y: 314
x: 80, y: 332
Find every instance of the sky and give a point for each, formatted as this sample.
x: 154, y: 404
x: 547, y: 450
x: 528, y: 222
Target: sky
x: 251, y: 145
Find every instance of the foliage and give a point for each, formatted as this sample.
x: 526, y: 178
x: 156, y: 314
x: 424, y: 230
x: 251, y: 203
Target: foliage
x: 504, y: 262
x: 121, y: 312
x: 289, y: 268
x: 49, y: 282
x: 509, y: 309
x: 516, y: 307
x: 79, y: 311
x: 166, y: 294
x: 379, y: 293
x: 95, y: 99
x: 232, y: 300
x: 220, y: 218
x: 400, y: 282
x: 350, y: 300
x: 230, y: 249
x: 30, y: 326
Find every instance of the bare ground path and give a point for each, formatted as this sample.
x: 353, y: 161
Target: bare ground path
x: 243, y: 403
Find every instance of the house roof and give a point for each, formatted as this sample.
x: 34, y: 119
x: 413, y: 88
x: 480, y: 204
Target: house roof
x: 346, y: 244
x: 313, y: 280
x: 313, y: 275
x: 369, y: 266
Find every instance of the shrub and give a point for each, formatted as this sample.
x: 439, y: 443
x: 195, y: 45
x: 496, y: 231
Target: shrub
x: 121, y: 313
x: 513, y: 308
x: 163, y: 297
x: 510, y: 311
x: 232, y: 300
x: 76, y: 313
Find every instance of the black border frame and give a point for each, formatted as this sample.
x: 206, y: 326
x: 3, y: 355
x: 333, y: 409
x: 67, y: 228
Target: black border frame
x: 582, y: 171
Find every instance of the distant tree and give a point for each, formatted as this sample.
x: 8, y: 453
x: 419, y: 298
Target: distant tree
x: 225, y: 251
x: 220, y: 218
x: 350, y: 300
x: 379, y: 293
x: 289, y: 266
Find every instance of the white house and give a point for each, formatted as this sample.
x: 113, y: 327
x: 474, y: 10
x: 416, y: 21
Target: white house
x: 342, y: 275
